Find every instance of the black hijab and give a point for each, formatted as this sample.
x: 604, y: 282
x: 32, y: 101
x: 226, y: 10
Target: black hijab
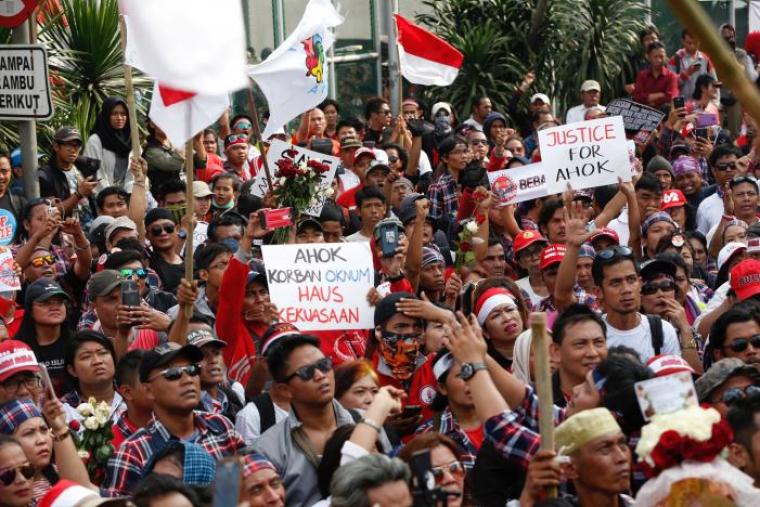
x: 118, y: 141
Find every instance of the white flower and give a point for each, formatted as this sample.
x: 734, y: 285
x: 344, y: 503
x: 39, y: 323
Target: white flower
x: 83, y: 454
x: 91, y: 423
x: 694, y: 422
x: 283, y: 180
x: 313, y: 202
x: 471, y: 227
x: 329, y: 192
x: 85, y: 409
x: 101, y: 419
x: 302, y: 169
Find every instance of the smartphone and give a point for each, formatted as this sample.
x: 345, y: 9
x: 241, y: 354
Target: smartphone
x: 130, y: 294
x: 701, y: 132
x: 47, y: 384
x: 423, y: 480
x: 227, y: 482
x: 678, y: 102
x: 276, y: 218
x: 389, y: 236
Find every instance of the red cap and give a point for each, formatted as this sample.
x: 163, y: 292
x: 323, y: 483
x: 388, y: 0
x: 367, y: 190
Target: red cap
x: 552, y: 254
x: 672, y: 199
x: 667, y: 364
x: 525, y: 239
x: 607, y: 233
x: 15, y: 357
x: 745, y: 279
x: 364, y: 151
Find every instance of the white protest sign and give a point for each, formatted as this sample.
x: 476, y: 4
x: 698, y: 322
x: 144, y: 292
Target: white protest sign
x: 277, y: 150
x: 8, y: 279
x: 519, y: 184
x: 24, y: 84
x: 586, y: 154
x: 321, y: 286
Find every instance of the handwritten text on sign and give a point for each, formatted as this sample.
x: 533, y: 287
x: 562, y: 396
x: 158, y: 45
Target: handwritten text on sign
x: 519, y: 184
x: 321, y: 286
x: 638, y: 119
x: 277, y: 151
x: 24, y: 85
x: 587, y: 154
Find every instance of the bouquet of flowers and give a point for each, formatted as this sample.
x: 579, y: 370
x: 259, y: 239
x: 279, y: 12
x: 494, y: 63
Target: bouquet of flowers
x: 94, y: 442
x: 299, y: 185
x: 465, y: 253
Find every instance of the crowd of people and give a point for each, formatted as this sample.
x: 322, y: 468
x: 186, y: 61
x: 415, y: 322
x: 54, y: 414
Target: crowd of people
x: 437, y: 404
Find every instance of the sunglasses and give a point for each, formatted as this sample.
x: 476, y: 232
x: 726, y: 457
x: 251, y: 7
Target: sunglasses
x: 735, y: 394
x: 741, y: 344
x: 726, y: 166
x: 456, y: 469
x: 175, y: 372
x: 306, y: 373
x: 617, y: 252
x: 129, y: 273
x: 236, y: 137
x: 7, y: 477
x: 392, y: 159
x: 476, y: 142
x: 243, y: 125
x: 168, y: 229
x: 38, y: 262
x: 650, y: 288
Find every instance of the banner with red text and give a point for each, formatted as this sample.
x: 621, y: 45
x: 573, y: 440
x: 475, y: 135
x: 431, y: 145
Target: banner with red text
x: 321, y: 286
x: 518, y: 184
x: 587, y: 154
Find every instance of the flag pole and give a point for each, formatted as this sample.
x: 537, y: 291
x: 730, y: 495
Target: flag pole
x: 394, y: 77
x: 543, y: 385
x: 253, y: 111
x: 189, y: 214
x: 134, y: 132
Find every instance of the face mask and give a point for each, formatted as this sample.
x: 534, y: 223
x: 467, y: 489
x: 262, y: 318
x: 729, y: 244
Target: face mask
x: 442, y: 125
x: 400, y: 352
x: 231, y: 242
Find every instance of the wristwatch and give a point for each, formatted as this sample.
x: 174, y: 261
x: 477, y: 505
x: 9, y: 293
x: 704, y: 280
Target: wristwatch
x: 470, y: 369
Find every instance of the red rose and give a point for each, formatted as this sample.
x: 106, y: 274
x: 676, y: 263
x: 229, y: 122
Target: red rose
x: 465, y: 246
x: 74, y: 425
x: 669, y: 440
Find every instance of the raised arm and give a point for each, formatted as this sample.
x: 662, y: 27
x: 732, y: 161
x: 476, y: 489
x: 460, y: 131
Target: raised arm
x: 138, y: 201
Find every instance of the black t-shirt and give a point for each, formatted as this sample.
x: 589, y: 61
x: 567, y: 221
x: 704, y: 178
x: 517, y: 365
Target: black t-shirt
x: 52, y: 357
x: 170, y: 274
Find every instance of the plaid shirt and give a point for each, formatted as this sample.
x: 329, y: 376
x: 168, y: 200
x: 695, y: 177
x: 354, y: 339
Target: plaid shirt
x: 443, y: 198
x: 125, y: 468
x: 581, y: 296
x: 448, y: 426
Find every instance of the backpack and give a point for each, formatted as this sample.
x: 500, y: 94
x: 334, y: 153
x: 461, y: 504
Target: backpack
x: 655, y: 327
x: 265, y: 406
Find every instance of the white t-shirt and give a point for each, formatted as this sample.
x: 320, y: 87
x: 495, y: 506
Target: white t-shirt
x: 248, y: 421
x: 356, y: 237
x: 709, y: 213
x: 640, y: 338
x: 349, y: 179
x: 620, y: 225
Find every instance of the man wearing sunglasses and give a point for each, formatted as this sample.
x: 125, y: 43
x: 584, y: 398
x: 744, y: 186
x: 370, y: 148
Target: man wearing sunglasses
x: 744, y: 451
x: 171, y: 376
x: 132, y: 265
x: 725, y: 382
x: 161, y: 231
x: 723, y: 167
x: 736, y: 334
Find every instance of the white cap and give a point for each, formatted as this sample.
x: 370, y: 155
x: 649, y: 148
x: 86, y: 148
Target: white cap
x: 590, y: 84
x: 728, y: 251
x: 540, y: 96
x: 438, y: 106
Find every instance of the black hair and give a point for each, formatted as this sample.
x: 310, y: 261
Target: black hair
x: 649, y: 181
x: 648, y: 30
x: 604, y: 194
x: 132, y: 244
x: 597, y: 268
x: 723, y: 150
x: 742, y: 419
x: 280, y: 351
x: 574, y: 314
x: 685, y: 32
x: 550, y: 206
x: 368, y: 193
x: 351, y: 121
x: 618, y: 394
x: 655, y: 45
x: 117, y: 259
x: 247, y: 203
x: 625, y: 351
x: 26, y: 213
x: 128, y: 368
x: 448, y: 144
x: 205, y: 254
x: 158, y: 485
x: 100, y: 199
x: 170, y: 187
x: 476, y: 101
x: 373, y: 105
x: 741, y: 312
x: 402, y: 153
x: 698, y: 236
x: 329, y: 102
x: 76, y: 342
x: 703, y: 81
x: 674, y: 258
x: 331, y: 212
x: 236, y: 183
x: 223, y: 220
x: 331, y: 457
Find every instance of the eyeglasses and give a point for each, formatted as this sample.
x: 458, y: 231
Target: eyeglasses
x: 243, y: 125
x: 392, y: 159
x: 129, y: 273
x: 8, y: 476
x: 650, y: 288
x: 476, y: 142
x: 455, y: 468
x: 168, y: 229
x: 306, y: 373
x: 175, y: 372
x: 726, y: 166
x: 38, y: 262
x: 735, y: 394
x: 608, y: 254
x: 741, y: 344
x: 14, y: 384
x: 236, y: 137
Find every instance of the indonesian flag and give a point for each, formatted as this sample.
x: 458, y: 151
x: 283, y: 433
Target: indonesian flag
x: 182, y: 114
x: 425, y: 58
x: 193, y: 45
x: 294, y: 77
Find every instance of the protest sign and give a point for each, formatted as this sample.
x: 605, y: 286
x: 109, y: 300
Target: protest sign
x: 519, y: 184
x: 638, y: 119
x: 24, y: 84
x: 7, y: 227
x: 586, y: 154
x: 664, y: 395
x: 277, y: 150
x: 8, y: 279
x: 321, y: 286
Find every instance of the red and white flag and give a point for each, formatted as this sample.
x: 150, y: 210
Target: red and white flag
x: 181, y: 115
x: 425, y: 58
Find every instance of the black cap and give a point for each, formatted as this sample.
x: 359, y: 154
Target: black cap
x: 308, y: 222
x: 165, y: 354
x: 386, y: 308
x: 158, y: 214
x: 407, y: 211
x: 42, y: 290
x: 65, y: 134
x: 654, y: 267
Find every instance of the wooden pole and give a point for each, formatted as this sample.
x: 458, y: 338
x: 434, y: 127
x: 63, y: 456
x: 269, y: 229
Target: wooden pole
x: 540, y: 341
x: 253, y: 111
x: 134, y: 132
x: 190, y: 217
x: 693, y: 17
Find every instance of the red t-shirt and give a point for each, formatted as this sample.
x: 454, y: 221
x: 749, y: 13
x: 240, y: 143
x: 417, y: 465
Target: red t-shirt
x: 348, y: 198
x: 422, y: 389
x: 475, y: 435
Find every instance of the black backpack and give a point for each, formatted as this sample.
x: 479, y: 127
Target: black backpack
x: 655, y: 327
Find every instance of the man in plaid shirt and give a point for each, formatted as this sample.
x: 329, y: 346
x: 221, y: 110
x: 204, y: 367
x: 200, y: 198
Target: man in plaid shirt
x: 172, y: 378
x: 443, y: 192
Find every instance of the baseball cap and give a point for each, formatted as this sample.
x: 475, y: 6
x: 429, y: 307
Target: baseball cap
x: 589, y: 85
x: 157, y: 214
x: 407, y: 211
x: 728, y: 251
x: 98, y: 228
x: 605, y: 232
x: 651, y: 268
x: 120, y: 223
x: 103, y: 282
x: 67, y: 493
x: 378, y: 165
x: 201, y: 189
x: 350, y: 142
x: 526, y: 238
x: 551, y: 255
x: 438, y: 106
x: 540, y: 96
x: 685, y: 164
x: 659, y: 216
x: 202, y: 337
x: 308, y: 222
x: 15, y: 357
x: 43, y: 289
x: 745, y: 279
x: 165, y: 354
x: 666, y: 364
x: 274, y: 333
x: 65, y: 134
x: 721, y: 371
x: 753, y: 245
x: 364, y: 151
x: 386, y: 308
x: 672, y: 198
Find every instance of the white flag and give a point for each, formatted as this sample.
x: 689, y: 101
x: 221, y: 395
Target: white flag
x: 294, y: 77
x: 181, y: 115
x: 192, y: 45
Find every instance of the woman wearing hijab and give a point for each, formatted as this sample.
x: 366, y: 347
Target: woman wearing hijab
x: 110, y: 143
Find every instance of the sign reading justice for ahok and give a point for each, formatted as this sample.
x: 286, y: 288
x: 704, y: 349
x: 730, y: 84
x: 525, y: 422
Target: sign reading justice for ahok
x: 585, y: 154
x: 24, y: 84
